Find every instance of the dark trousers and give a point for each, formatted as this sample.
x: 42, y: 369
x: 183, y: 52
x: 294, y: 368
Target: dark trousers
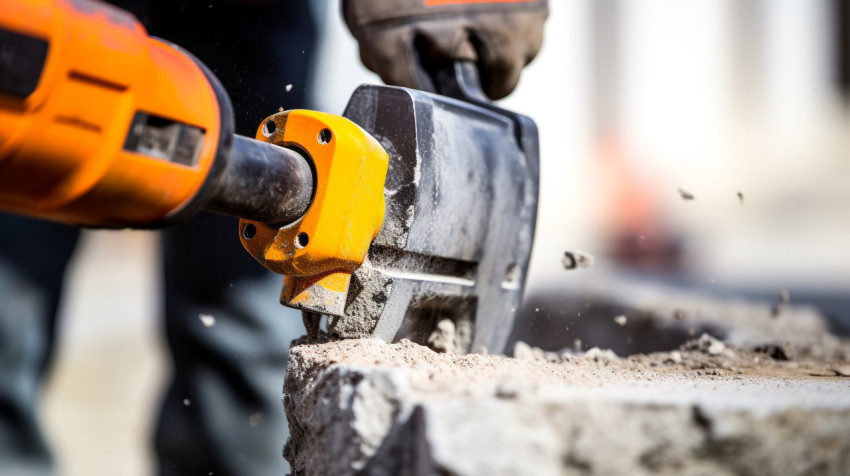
x: 232, y: 373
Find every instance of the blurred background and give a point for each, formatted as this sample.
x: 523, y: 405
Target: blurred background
x: 742, y: 105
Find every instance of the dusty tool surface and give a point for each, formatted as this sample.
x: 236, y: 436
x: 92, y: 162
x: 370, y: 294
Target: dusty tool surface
x: 707, y: 407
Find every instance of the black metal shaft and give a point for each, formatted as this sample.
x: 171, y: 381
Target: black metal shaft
x: 264, y: 182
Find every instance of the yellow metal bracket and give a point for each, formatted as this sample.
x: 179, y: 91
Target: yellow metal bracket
x: 318, y: 253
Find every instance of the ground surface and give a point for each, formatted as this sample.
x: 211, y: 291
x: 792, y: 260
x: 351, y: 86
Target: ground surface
x: 706, y: 408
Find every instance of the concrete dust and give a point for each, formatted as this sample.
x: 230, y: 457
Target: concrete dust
x: 702, y: 356
x: 443, y: 337
x: 842, y: 370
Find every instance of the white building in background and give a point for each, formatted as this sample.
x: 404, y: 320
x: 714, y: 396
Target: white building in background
x: 714, y: 97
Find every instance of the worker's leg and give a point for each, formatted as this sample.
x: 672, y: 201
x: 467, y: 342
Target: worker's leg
x: 33, y: 257
x: 223, y: 412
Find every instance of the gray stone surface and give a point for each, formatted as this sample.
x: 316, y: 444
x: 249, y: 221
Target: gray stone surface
x: 711, y: 407
x: 660, y: 317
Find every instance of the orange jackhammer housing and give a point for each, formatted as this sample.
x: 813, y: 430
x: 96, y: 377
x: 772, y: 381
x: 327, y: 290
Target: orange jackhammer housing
x: 101, y: 124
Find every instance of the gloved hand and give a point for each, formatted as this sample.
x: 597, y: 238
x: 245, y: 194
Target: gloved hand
x: 405, y: 41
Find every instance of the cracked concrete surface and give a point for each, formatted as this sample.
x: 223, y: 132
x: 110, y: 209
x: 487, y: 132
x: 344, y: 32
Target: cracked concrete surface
x: 369, y: 407
x: 709, y: 385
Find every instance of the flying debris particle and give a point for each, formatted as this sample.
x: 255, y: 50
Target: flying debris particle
x: 577, y: 345
x: 256, y: 418
x: 187, y: 402
x: 685, y: 195
x: 621, y: 320
x: 207, y: 320
x: 679, y: 314
x: 288, y: 87
x: 577, y: 259
x: 280, y: 109
x: 783, y: 296
x: 741, y: 197
x: 775, y: 310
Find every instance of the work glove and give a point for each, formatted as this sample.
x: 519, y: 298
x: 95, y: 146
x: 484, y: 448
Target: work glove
x: 406, y: 41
